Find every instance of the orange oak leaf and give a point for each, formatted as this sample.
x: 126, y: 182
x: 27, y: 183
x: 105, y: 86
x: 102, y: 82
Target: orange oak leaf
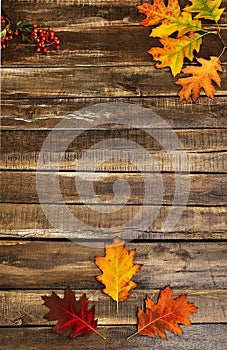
x: 72, y: 315
x: 169, y: 18
x: 165, y: 315
x: 118, y: 270
x: 201, y: 78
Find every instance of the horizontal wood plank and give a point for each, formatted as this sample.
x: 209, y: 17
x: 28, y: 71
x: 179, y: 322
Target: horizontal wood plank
x: 77, y: 12
x: 209, y: 336
x: 92, y: 222
x: 20, y: 187
x: 24, y: 141
x: 206, y: 150
x: 207, y: 162
x: 99, y: 47
x: 46, y: 113
x: 73, y: 12
x: 60, y: 264
x: 96, y: 82
x: 26, y: 306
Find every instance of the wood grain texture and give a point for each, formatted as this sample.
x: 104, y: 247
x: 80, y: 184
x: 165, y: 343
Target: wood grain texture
x: 102, y: 46
x: 79, y: 12
x: 29, y: 220
x: 60, y: 264
x: 25, y: 141
x: 207, y: 162
x: 26, y: 306
x: 209, y: 336
x: 46, y: 113
x: 96, y: 82
x: 206, y: 150
x: 20, y: 187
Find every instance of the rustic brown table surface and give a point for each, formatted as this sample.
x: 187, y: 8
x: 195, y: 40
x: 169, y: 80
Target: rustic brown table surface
x: 104, y: 59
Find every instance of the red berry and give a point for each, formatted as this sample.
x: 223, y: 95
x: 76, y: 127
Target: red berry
x: 45, y: 50
x: 57, y: 47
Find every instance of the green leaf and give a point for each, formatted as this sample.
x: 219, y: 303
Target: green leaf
x: 208, y: 9
x: 3, y: 32
x: 18, y: 23
x: 28, y: 28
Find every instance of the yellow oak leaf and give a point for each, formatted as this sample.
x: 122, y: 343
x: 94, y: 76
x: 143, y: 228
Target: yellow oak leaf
x: 174, y: 51
x: 118, y: 269
x: 208, y: 9
x: 170, y: 18
x: 201, y: 78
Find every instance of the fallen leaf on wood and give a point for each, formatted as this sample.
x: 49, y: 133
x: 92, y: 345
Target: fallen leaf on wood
x: 169, y: 18
x: 72, y: 315
x: 201, y: 78
x: 118, y: 270
x: 174, y: 51
x: 208, y: 9
x: 165, y: 315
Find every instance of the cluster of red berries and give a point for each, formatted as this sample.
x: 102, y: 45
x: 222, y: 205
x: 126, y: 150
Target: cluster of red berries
x: 7, y: 32
x: 29, y: 33
x: 44, y: 38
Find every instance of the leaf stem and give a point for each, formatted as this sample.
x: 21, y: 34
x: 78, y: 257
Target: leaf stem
x: 223, y: 50
x: 132, y: 335
x: 102, y: 336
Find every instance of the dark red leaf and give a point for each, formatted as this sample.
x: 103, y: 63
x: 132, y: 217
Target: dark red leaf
x: 72, y: 315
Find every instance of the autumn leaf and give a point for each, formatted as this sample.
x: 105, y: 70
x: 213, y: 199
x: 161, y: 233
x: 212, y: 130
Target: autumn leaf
x: 72, y: 315
x: 170, y: 19
x: 201, y: 78
x: 165, y: 315
x: 118, y: 270
x: 208, y: 9
x: 174, y: 51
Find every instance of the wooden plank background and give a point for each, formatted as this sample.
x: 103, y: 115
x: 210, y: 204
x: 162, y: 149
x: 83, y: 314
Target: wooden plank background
x: 104, y: 59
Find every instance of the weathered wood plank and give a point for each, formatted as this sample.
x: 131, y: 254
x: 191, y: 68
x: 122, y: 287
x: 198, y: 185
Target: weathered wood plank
x: 60, y: 264
x: 212, y: 306
x: 199, y: 140
x: 95, y: 82
x: 206, y: 336
x: 99, y: 47
x: 79, y: 12
x: 44, y: 113
x: 29, y: 220
x: 208, y: 162
x: 73, y: 12
x: 206, y: 150
x: 20, y: 187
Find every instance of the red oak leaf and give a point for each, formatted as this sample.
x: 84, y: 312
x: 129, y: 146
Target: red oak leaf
x: 72, y: 315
